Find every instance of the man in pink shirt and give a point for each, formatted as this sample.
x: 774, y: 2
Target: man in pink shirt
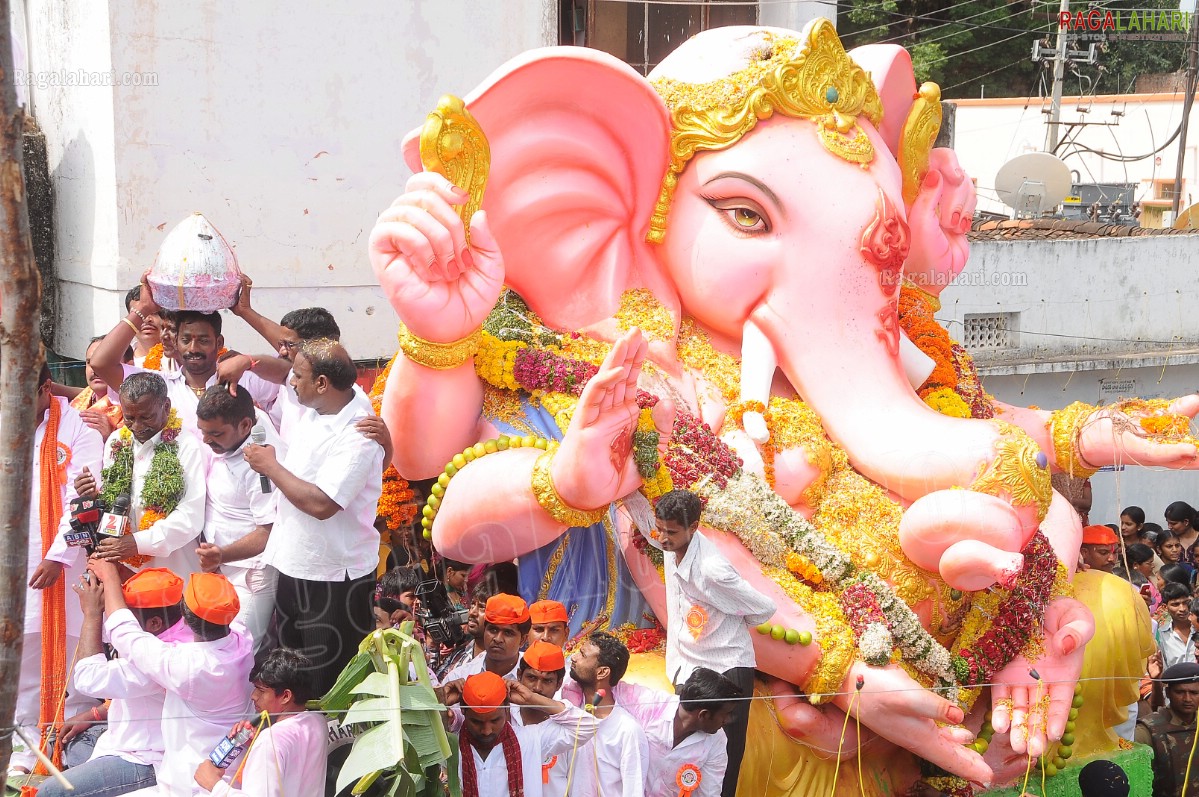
x: 287, y: 757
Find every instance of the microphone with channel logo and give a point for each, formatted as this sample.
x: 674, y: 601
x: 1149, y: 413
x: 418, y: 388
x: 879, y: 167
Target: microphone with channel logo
x: 258, y: 435
x: 115, y: 520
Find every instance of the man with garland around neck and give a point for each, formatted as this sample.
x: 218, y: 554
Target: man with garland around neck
x: 199, y: 344
x: 162, y: 472
x: 64, y: 447
x: 499, y: 758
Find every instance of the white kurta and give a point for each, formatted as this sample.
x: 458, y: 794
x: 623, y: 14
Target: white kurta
x: 614, y: 762
x: 288, y: 759
x: 556, y: 736
x: 185, y: 400
x: 207, y: 691
x: 171, y: 541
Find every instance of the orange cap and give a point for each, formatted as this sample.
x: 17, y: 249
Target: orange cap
x: 153, y: 588
x: 505, y: 609
x: 545, y: 657
x: 548, y: 612
x: 484, y: 693
x: 1098, y: 535
x: 211, y: 597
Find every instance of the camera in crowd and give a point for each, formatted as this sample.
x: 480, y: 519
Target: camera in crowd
x: 437, y: 614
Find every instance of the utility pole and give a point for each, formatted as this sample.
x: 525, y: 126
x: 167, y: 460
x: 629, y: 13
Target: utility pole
x: 1190, y: 83
x: 20, y: 361
x: 1059, y: 74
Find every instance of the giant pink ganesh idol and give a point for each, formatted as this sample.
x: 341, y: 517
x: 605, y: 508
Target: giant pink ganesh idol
x: 693, y: 280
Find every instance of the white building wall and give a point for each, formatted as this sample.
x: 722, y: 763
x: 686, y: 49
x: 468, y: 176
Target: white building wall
x: 990, y: 132
x: 1100, y: 319
x: 281, y: 121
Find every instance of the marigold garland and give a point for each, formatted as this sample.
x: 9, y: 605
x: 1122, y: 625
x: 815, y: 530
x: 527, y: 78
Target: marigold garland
x: 953, y: 388
x: 163, y: 487
x: 397, y: 502
x: 153, y: 361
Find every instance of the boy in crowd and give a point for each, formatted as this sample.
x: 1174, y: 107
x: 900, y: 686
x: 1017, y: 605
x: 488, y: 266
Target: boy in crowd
x: 1177, y: 640
x: 288, y: 756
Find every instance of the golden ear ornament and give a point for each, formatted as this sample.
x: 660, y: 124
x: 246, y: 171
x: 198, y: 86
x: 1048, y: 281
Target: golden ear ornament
x: 453, y: 145
x: 815, y: 80
x: 916, y: 139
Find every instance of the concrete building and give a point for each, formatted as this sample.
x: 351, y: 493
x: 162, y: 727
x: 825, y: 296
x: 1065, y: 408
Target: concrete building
x: 1056, y: 312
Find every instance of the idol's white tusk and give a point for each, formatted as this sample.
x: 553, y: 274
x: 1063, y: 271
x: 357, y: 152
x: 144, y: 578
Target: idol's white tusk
x: 758, y: 364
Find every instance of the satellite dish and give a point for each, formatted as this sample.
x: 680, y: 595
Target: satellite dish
x: 1188, y: 219
x: 1033, y: 184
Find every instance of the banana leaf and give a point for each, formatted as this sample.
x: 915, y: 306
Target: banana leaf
x: 405, y: 750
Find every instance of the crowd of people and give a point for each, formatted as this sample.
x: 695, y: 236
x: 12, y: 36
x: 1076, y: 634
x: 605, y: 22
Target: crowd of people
x: 1160, y: 562
x: 245, y: 570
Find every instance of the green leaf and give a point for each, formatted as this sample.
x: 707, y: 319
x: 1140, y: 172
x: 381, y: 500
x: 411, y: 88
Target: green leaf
x: 372, y: 751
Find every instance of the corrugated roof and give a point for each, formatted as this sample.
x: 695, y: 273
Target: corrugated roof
x: 1058, y: 229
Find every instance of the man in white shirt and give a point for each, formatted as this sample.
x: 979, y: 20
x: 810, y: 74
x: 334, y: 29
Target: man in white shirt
x: 171, y: 541
x: 206, y: 681
x: 686, y: 736
x: 63, y: 448
x: 287, y: 758
x: 542, y: 669
x: 616, y: 759
x: 198, y: 344
x: 710, y: 609
x: 238, y: 515
x: 500, y: 759
x: 324, y: 543
x: 125, y: 755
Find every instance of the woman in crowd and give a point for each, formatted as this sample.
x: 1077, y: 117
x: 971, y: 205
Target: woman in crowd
x: 1140, y: 565
x: 1180, y: 517
x: 1132, y: 520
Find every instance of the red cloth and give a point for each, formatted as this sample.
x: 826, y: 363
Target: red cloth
x: 512, y: 761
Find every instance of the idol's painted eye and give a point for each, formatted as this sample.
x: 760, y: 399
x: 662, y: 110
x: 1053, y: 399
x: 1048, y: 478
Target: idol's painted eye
x: 744, y: 217
x: 741, y: 214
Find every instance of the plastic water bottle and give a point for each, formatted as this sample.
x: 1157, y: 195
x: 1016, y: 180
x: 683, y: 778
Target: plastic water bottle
x: 229, y: 748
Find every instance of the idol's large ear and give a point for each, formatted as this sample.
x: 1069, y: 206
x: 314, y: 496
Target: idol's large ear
x: 579, y: 146
x: 890, y: 67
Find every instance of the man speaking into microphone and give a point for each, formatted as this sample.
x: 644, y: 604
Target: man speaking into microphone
x: 241, y: 506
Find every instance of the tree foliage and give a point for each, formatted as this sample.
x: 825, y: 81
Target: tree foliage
x: 985, y: 46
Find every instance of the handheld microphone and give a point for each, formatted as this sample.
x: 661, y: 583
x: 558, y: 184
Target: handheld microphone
x: 114, y: 522
x: 85, y: 518
x: 258, y: 435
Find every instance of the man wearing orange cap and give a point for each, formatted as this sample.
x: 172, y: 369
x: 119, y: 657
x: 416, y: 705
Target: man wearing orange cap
x: 515, y: 768
x: 505, y: 625
x: 206, y: 681
x: 125, y: 755
x: 542, y: 669
x: 1100, y: 548
x: 550, y: 623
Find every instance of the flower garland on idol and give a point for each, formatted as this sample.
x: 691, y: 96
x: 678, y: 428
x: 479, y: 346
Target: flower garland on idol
x: 397, y: 501
x: 699, y: 460
x: 516, y: 354
x: 163, y: 487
